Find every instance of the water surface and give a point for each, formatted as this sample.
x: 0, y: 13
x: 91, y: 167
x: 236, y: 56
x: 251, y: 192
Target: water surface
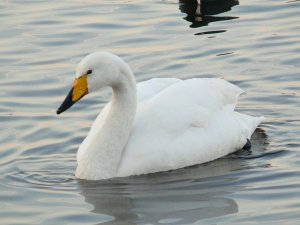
x: 254, y: 44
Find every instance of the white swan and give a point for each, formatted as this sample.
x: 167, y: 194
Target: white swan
x: 158, y: 125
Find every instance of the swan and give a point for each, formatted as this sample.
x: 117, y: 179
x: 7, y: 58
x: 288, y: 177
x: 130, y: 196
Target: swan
x: 157, y: 125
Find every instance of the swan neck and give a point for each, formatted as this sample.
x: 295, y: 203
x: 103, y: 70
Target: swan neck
x: 101, y: 152
x: 120, y: 121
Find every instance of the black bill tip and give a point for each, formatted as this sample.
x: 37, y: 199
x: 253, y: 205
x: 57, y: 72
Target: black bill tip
x: 59, y: 111
x: 67, y: 103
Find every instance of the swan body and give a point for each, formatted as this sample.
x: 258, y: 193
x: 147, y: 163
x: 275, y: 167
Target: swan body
x: 157, y: 125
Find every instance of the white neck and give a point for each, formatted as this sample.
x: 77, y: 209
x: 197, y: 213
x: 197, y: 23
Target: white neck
x: 100, y: 154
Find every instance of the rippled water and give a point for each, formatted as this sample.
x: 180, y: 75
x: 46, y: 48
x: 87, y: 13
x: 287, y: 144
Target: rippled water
x: 254, y: 44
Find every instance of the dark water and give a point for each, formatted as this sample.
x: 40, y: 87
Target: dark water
x: 254, y: 44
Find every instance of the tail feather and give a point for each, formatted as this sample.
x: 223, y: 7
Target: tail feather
x: 249, y: 123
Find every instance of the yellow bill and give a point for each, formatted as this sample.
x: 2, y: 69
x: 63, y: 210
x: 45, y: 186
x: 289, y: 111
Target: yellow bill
x: 79, y: 89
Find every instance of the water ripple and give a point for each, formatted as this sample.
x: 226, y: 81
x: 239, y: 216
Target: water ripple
x: 253, y: 44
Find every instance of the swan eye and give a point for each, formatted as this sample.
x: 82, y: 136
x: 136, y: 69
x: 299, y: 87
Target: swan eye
x: 89, y: 71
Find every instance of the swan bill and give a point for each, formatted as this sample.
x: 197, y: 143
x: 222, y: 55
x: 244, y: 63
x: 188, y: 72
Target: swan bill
x: 78, y: 90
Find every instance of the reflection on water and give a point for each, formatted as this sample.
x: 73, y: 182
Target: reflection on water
x: 202, y: 12
x: 41, y: 42
x: 259, y: 146
x: 183, y: 196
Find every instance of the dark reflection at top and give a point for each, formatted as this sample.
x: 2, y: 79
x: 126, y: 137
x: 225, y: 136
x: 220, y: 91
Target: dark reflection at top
x: 202, y: 12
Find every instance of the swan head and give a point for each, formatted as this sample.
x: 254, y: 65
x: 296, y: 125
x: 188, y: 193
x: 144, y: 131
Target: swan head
x: 95, y: 71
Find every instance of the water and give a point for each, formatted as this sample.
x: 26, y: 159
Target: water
x: 254, y: 44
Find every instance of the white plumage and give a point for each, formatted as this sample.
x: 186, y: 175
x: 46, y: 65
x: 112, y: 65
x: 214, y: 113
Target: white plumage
x: 185, y: 123
x: 161, y: 125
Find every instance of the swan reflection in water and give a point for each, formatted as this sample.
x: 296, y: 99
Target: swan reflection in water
x: 182, y: 196
x: 177, y: 197
x: 202, y: 12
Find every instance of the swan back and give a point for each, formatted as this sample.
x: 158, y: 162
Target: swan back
x: 189, y: 122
